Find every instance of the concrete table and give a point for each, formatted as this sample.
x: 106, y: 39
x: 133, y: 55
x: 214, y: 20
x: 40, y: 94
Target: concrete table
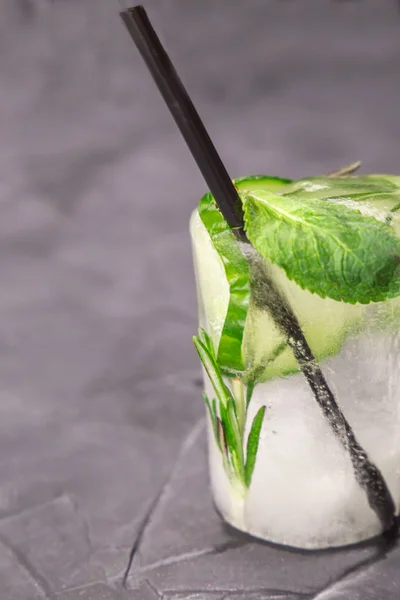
x: 103, y: 470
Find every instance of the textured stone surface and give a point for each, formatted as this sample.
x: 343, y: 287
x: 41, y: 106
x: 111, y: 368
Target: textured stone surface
x: 95, y: 592
x: 17, y: 578
x: 186, y: 512
x: 101, y: 445
x: 231, y: 596
x: 185, y: 542
x: 55, y: 541
x: 379, y: 580
x: 194, y: 596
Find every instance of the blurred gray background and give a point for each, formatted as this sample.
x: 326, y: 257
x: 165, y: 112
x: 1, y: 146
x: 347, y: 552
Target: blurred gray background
x: 101, y: 438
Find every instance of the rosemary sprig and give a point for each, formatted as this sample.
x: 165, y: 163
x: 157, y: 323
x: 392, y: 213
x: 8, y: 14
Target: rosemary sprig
x: 228, y: 415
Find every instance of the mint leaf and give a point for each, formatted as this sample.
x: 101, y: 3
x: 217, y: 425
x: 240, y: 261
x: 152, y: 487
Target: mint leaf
x: 343, y: 187
x: 376, y: 196
x: 326, y: 248
x: 252, y: 445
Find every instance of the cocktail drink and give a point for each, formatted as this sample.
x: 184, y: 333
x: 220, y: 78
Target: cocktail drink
x: 298, y: 291
x: 299, y: 338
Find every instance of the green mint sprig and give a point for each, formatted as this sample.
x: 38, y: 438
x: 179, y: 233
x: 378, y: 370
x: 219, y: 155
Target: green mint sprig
x: 326, y: 248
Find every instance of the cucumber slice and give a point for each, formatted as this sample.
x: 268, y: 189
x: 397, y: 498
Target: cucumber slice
x: 262, y: 182
x: 226, y: 308
x: 326, y: 324
x: 211, y: 282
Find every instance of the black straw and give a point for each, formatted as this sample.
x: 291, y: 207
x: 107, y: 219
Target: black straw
x: 186, y: 116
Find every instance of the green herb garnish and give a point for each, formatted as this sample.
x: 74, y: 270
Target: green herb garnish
x: 228, y: 418
x: 326, y: 248
x: 252, y: 444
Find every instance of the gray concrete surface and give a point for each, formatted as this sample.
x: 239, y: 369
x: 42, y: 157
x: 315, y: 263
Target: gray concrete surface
x: 101, y: 433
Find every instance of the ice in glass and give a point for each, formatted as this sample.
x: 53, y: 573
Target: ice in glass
x: 323, y: 265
